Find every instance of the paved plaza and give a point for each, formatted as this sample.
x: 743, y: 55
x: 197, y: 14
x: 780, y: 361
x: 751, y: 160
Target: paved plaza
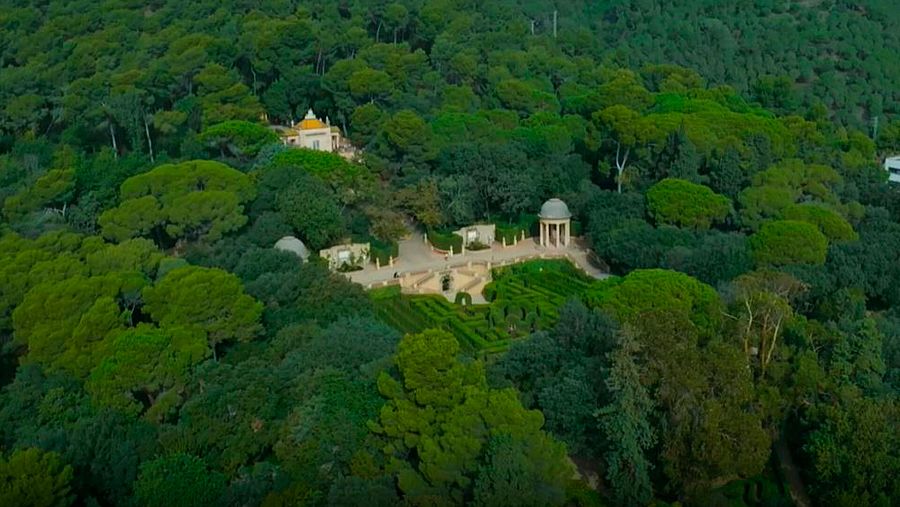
x: 417, y: 256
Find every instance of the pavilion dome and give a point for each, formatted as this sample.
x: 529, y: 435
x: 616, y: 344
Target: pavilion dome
x: 293, y: 245
x: 555, y: 209
x: 311, y: 122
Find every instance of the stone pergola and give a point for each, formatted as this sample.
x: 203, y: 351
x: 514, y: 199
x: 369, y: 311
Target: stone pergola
x: 556, y: 221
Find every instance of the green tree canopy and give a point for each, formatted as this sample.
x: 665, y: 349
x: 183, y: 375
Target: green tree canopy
x: 679, y: 202
x: 192, y: 200
x: 853, y: 451
x: 178, y: 480
x: 646, y: 290
x: 54, y: 189
x: 626, y: 425
x: 211, y: 300
x: 69, y: 325
x: 442, y: 410
x: 310, y: 207
x: 148, y: 361
x: 240, y: 139
x: 33, y: 478
x: 783, y: 242
x: 788, y: 182
x: 834, y: 226
x: 329, y: 167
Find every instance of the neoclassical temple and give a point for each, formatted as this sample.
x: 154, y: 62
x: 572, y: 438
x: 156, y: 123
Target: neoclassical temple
x: 555, y: 222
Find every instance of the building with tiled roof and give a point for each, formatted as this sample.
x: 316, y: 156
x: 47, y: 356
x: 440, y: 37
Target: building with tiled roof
x: 312, y: 133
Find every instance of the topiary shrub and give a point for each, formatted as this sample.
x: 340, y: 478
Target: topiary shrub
x: 490, y: 292
x: 463, y: 298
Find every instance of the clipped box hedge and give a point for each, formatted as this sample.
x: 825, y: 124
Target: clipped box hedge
x: 524, y: 298
x: 383, y: 251
x: 527, y: 223
x: 444, y: 240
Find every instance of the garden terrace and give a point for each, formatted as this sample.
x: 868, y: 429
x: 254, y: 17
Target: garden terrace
x: 523, y: 298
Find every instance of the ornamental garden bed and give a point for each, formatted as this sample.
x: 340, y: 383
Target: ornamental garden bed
x: 523, y: 298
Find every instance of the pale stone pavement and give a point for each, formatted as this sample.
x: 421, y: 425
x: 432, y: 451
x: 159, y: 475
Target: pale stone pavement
x: 416, y: 256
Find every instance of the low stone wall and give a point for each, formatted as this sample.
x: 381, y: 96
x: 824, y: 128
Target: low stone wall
x: 482, y: 233
x: 353, y: 254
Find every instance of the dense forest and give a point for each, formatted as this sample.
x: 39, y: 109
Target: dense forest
x: 721, y: 158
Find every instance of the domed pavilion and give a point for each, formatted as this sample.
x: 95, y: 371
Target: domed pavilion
x: 555, y: 221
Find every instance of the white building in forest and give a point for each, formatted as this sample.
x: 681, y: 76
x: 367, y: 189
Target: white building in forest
x: 313, y: 133
x: 892, y: 166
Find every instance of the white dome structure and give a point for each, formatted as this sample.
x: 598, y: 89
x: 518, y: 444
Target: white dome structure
x: 555, y: 209
x: 556, y: 224
x: 293, y: 245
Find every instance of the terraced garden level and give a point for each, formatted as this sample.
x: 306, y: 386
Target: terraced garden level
x: 523, y: 298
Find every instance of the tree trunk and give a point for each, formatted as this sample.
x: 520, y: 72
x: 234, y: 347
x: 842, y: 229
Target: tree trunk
x: 620, y: 165
x: 149, y: 139
x: 378, y: 32
x: 112, y: 135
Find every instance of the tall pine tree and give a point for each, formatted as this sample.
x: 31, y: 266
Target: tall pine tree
x: 679, y: 158
x: 625, y: 422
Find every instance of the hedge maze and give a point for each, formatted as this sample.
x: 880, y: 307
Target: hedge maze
x: 523, y: 298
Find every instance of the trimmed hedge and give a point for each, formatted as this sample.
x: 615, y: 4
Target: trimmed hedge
x: 463, y: 298
x: 525, y: 298
x: 513, y: 230
x: 510, y: 234
x: 445, y: 240
x: 383, y: 251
